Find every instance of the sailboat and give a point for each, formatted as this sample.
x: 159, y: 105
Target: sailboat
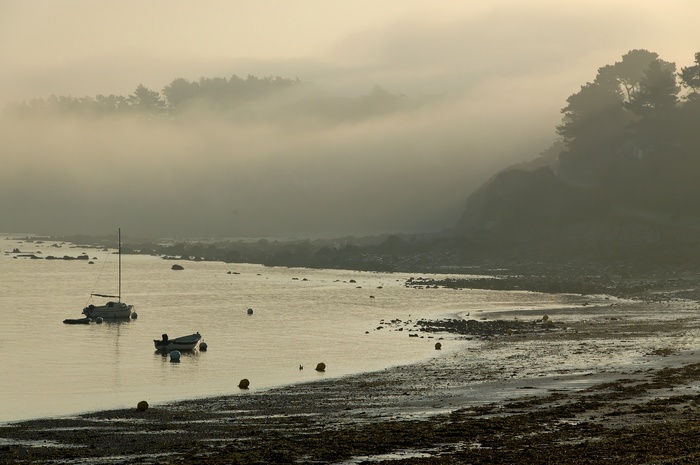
x: 112, y: 309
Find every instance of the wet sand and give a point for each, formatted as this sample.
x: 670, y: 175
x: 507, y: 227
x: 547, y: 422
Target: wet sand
x: 614, y: 383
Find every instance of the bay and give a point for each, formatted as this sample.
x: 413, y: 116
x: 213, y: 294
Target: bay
x: 300, y: 317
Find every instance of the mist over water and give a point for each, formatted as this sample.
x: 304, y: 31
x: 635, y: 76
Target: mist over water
x: 205, y: 175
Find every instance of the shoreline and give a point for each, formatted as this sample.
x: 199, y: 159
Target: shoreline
x: 601, y: 384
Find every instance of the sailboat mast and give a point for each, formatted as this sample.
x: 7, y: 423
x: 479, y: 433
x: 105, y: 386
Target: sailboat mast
x: 119, y: 295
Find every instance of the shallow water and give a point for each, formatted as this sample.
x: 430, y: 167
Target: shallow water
x: 300, y: 317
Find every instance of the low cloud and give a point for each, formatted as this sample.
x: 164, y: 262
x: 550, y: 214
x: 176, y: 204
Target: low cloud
x: 484, y: 89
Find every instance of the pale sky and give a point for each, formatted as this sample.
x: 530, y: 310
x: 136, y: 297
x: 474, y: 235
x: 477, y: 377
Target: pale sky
x: 85, y: 47
x: 504, y: 69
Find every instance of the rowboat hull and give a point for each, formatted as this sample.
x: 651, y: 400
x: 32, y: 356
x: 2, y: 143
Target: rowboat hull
x: 183, y: 343
x: 77, y: 321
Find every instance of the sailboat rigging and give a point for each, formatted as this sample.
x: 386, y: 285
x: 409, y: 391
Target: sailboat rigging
x: 112, y: 309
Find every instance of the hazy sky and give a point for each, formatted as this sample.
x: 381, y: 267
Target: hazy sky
x: 506, y: 68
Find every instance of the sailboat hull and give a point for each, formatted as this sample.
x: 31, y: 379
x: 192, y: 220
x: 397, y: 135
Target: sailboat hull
x: 111, y: 310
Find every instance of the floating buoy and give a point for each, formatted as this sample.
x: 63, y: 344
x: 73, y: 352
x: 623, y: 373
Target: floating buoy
x: 175, y: 356
x: 321, y: 367
x: 98, y: 319
x: 142, y: 406
x: 203, y: 346
x: 244, y: 383
x: 438, y: 346
x: 250, y: 311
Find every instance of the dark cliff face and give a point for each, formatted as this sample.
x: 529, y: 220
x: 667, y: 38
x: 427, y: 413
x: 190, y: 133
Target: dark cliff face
x: 517, y: 200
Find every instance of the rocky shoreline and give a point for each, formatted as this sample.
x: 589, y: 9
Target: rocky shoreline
x: 615, y: 383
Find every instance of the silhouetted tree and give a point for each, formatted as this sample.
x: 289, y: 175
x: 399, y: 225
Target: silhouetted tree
x: 110, y: 104
x: 656, y: 103
x: 630, y: 133
x: 690, y: 78
x: 626, y: 74
x: 146, y: 101
x: 593, y: 127
x: 619, y: 115
x: 179, y: 92
x: 658, y: 89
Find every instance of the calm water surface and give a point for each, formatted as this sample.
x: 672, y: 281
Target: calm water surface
x: 301, y: 317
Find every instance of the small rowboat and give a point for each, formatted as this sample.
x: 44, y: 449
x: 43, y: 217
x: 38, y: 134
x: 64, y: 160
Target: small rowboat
x: 77, y: 321
x: 166, y: 344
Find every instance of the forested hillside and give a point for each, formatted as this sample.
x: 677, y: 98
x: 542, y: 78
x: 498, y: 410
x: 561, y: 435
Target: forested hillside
x: 630, y: 141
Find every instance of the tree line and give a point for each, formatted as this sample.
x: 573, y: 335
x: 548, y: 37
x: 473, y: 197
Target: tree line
x: 232, y: 98
x: 219, y: 91
x: 634, y: 132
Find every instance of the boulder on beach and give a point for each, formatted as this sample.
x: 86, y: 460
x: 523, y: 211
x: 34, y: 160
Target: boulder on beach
x: 176, y: 267
x: 321, y: 367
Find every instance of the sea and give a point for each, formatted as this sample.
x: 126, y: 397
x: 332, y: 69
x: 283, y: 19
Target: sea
x: 269, y: 325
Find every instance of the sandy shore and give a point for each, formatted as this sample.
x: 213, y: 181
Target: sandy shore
x: 614, y: 383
